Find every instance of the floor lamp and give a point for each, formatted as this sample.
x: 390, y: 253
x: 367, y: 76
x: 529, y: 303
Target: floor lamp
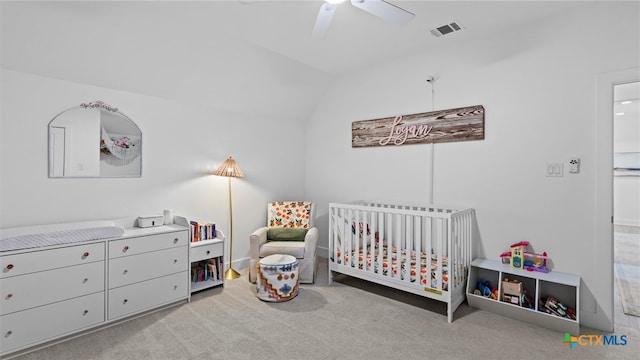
x: 229, y: 168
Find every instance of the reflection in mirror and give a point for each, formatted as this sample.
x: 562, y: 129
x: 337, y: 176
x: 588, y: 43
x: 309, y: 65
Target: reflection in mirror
x: 94, y: 140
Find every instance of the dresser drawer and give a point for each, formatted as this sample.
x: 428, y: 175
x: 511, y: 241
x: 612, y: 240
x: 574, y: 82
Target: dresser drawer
x: 206, y: 251
x: 146, y: 295
x: 40, y: 324
x: 44, y: 259
x: 131, y: 269
x: 138, y: 245
x: 41, y: 288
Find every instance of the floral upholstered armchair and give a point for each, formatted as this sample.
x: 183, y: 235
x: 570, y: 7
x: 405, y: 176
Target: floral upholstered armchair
x: 289, y: 230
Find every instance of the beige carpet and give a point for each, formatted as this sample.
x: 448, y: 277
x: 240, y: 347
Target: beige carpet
x: 627, y: 268
x: 349, y: 319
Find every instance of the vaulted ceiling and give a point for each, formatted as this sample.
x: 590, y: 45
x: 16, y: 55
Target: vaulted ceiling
x: 216, y: 52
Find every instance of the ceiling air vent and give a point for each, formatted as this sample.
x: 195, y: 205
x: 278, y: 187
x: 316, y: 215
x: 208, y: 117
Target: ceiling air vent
x: 446, y: 29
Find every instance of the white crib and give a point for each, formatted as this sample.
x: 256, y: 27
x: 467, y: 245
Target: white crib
x: 382, y: 243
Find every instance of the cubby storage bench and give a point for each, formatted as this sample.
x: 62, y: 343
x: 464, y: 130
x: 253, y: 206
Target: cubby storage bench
x: 565, y: 287
x: 58, y: 281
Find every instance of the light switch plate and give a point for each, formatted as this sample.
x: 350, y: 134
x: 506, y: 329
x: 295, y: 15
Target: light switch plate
x: 555, y: 170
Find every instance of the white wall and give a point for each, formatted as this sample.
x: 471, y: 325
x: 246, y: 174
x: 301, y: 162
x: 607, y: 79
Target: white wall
x: 182, y: 144
x: 538, y: 86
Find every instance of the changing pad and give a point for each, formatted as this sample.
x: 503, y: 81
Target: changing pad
x: 59, y: 237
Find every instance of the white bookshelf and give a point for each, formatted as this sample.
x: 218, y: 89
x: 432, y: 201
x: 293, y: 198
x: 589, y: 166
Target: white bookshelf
x: 204, y: 250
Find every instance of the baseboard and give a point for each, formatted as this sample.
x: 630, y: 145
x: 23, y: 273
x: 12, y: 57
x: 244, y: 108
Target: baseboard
x: 243, y: 264
x: 322, y: 252
x: 626, y: 222
x: 240, y: 264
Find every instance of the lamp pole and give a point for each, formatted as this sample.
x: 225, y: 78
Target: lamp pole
x: 230, y: 274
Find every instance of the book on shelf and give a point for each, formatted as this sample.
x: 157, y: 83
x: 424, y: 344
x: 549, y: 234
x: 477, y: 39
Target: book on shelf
x: 199, y: 231
x: 210, y: 269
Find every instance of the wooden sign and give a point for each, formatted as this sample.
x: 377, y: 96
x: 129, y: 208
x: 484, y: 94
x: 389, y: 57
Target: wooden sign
x: 461, y: 124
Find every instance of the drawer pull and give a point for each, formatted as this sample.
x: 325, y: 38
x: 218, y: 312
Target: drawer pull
x: 9, y: 296
x: 84, y: 281
x: 10, y: 266
x: 126, y: 247
x: 8, y: 333
x: 175, y: 241
x: 208, y: 252
x: 125, y: 301
x: 125, y: 271
x: 85, y: 312
x: 175, y: 261
x: 85, y: 255
x: 175, y: 287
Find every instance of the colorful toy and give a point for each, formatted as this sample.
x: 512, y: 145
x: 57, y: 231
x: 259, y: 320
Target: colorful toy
x: 517, y: 254
x: 512, y: 291
x: 520, y: 258
x: 536, y: 262
x: 555, y: 307
x: 485, y: 289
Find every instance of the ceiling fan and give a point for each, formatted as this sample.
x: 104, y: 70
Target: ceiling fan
x: 379, y: 8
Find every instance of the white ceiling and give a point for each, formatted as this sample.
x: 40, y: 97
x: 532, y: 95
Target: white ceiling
x: 357, y: 38
x: 177, y: 49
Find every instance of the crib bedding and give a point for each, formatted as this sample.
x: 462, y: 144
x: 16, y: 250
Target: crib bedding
x: 392, y: 269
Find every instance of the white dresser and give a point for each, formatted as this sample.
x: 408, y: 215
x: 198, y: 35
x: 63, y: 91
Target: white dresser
x: 51, y: 292
x: 147, y: 271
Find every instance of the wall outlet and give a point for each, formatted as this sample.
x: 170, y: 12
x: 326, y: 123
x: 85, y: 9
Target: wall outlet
x: 574, y: 165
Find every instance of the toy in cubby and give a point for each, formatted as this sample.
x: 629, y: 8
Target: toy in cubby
x: 527, y: 301
x: 485, y: 289
x: 512, y: 291
x: 520, y: 258
x: 557, y: 308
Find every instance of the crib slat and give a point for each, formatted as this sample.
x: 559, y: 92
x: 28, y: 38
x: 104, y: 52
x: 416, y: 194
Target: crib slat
x: 417, y: 243
x: 356, y: 239
x: 428, y: 232
x: 371, y: 248
x: 348, y: 241
x: 398, y: 244
x: 440, y: 247
x: 366, y: 239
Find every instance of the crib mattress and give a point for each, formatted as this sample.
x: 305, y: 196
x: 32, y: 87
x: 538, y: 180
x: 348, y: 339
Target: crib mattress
x: 390, y: 261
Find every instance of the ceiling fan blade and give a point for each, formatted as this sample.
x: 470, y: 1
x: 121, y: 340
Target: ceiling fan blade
x: 384, y: 10
x: 323, y: 21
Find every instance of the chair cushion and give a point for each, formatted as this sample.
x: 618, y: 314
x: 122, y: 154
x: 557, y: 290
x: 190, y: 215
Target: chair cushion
x: 293, y: 248
x: 289, y: 214
x: 286, y: 234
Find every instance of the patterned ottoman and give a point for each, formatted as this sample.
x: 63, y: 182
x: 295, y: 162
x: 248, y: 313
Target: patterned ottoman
x: 277, y: 278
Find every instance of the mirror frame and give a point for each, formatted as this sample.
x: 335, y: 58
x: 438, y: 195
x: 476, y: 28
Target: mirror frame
x: 99, y: 106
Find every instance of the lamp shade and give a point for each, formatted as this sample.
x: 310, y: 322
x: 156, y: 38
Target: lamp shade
x: 229, y: 168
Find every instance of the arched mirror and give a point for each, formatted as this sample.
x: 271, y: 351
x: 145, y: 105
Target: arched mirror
x: 94, y: 140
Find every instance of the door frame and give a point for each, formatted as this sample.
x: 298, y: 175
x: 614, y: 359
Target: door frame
x: 603, y: 216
